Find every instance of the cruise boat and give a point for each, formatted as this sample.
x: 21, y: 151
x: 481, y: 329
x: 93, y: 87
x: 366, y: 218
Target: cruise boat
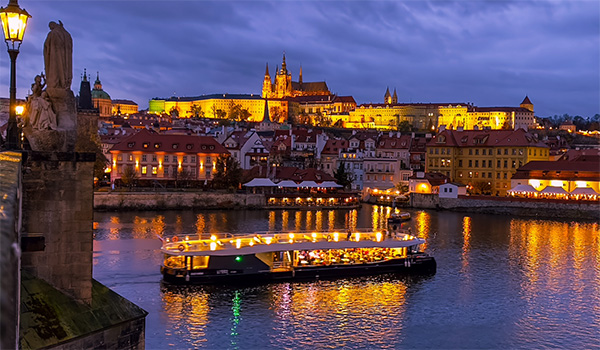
x: 395, y: 218
x: 273, y: 256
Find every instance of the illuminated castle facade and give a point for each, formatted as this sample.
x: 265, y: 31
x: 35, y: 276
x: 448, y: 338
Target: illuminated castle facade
x: 283, y: 86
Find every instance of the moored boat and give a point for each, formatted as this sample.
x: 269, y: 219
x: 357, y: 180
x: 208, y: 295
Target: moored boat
x: 277, y: 256
x: 398, y: 217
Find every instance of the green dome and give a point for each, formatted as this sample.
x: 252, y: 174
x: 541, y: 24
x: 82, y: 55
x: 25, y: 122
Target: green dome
x: 100, y: 94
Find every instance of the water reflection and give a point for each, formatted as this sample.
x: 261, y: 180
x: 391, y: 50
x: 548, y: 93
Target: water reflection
x: 321, y: 314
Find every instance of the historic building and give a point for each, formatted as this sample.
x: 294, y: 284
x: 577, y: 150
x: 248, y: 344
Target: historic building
x: 124, y: 107
x: 165, y: 157
x: 484, y: 159
x: 283, y: 86
x: 469, y: 117
x: 220, y: 106
x: 100, y: 99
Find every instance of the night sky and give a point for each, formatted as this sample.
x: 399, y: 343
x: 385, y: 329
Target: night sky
x: 489, y: 53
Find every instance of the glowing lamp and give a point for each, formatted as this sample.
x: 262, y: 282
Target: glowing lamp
x: 213, y: 238
x: 378, y: 236
x: 238, y: 243
x: 336, y: 236
x: 213, y: 245
x: 19, y: 110
x: 268, y: 240
x: 14, y: 21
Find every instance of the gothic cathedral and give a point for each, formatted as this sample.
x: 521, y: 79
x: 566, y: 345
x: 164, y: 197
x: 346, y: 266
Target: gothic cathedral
x: 285, y: 87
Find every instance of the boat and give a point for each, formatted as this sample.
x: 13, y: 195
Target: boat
x: 278, y: 256
x: 395, y: 218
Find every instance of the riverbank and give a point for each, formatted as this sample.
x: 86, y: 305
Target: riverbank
x: 110, y: 201
x: 548, y: 208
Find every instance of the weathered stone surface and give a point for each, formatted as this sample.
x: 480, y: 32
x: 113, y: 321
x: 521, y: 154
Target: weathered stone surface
x: 50, y: 318
x: 10, y: 188
x: 59, y: 208
x: 176, y: 200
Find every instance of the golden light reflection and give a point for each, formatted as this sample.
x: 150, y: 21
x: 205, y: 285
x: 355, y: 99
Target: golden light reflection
x: 309, y: 215
x: 200, y: 224
x: 298, y: 221
x: 331, y: 220
x: 375, y: 217
x: 334, y: 303
x: 271, y: 220
x: 319, y: 221
x: 423, y: 222
x: 158, y: 225
x: 466, y: 241
x: 114, y: 228
x: 140, y: 227
x: 186, y: 313
x: 285, y: 220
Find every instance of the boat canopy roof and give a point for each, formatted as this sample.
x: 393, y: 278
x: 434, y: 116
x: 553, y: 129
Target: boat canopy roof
x: 285, y: 241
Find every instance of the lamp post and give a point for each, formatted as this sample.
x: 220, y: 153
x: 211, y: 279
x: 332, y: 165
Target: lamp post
x: 14, y: 21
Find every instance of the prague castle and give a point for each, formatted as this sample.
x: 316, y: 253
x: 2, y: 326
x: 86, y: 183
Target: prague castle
x: 285, y: 87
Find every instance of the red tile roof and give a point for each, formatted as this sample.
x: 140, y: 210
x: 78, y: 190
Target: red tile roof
x: 485, y: 138
x: 153, y: 142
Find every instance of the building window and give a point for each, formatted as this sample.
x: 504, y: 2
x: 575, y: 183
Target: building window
x: 506, y: 151
x: 477, y: 151
x: 154, y: 158
x: 489, y: 163
x: 166, y: 158
x: 497, y: 175
x: 184, y: 159
x: 477, y: 163
x: 143, y: 157
x: 489, y: 175
x: 130, y: 157
x: 144, y: 170
x: 460, y: 162
x: 498, y: 163
x: 505, y: 163
x: 154, y: 170
x: 470, y: 163
x: 193, y: 159
x: 119, y: 157
x: 506, y: 175
x: 470, y: 152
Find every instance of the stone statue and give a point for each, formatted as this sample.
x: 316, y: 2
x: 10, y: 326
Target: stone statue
x: 40, y: 115
x: 58, y: 57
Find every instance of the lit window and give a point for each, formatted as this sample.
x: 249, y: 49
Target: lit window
x: 144, y: 170
x: 154, y: 170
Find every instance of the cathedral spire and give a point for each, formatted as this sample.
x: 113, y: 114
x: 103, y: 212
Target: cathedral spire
x: 283, y: 65
x: 267, y: 71
x: 395, y: 97
x: 300, y: 77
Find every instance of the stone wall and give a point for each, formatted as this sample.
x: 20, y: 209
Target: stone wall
x: 57, y: 220
x: 523, y: 207
x: 10, y: 222
x: 175, y: 200
x: 424, y: 200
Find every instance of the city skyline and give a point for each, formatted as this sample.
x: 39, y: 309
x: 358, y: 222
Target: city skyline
x: 488, y: 54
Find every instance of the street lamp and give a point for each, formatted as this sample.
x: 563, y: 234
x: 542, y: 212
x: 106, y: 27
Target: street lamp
x: 14, y: 21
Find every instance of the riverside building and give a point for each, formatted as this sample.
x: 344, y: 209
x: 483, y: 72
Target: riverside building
x: 484, y: 159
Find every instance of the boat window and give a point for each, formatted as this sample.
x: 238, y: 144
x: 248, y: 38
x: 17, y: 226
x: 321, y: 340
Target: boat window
x: 175, y: 262
x: 200, y: 262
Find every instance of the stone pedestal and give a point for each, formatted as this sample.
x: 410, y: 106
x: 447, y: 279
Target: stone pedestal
x: 57, y: 220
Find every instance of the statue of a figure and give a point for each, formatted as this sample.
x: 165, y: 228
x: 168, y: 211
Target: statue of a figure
x: 39, y: 109
x: 58, y: 57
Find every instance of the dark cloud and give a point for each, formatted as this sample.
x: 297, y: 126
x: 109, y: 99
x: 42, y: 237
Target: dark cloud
x: 491, y: 53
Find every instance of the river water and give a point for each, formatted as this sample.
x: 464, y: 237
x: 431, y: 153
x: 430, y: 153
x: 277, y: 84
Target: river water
x: 502, y: 282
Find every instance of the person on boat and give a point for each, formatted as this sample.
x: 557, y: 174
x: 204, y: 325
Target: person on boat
x: 349, y: 235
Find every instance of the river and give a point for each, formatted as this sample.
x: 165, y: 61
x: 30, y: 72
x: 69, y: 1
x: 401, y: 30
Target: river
x: 501, y: 282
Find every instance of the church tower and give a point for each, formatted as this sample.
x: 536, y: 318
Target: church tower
x: 267, y: 89
x: 527, y: 104
x: 387, y: 98
x: 395, y: 97
x: 283, y: 81
x: 101, y: 99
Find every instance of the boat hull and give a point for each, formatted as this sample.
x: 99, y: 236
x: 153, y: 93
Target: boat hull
x: 419, y: 264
